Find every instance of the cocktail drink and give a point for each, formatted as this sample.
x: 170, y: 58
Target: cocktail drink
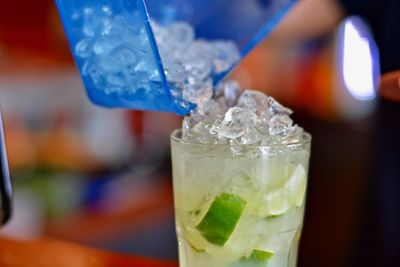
x: 239, y: 210
x: 239, y: 205
x: 240, y: 165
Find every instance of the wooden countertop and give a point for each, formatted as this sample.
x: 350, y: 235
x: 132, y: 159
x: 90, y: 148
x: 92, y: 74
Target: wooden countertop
x: 50, y: 253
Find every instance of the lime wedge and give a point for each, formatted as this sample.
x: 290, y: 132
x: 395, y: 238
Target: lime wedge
x: 221, y: 218
x: 260, y: 256
x: 278, y: 202
x: 257, y: 258
x: 296, y: 185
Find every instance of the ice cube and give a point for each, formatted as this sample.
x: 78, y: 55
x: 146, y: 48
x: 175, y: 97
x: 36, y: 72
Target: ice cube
x: 116, y: 80
x: 105, y: 44
x: 91, y: 23
x: 276, y: 108
x: 200, y: 133
x: 216, y: 127
x: 198, y: 92
x: 254, y: 100
x: 229, y: 90
x: 263, y: 123
x: 116, y: 26
x: 198, y: 69
x: 175, y: 71
x: 196, y: 115
x: 197, y: 59
x: 279, y: 124
x: 108, y: 64
x: 83, y: 48
x: 90, y: 69
x: 293, y: 135
x: 181, y: 35
x: 187, y: 124
x: 124, y: 56
x: 236, y: 121
x: 227, y: 54
x: 213, y: 109
x: 97, y: 77
x: 252, y: 136
x: 236, y: 146
x: 106, y: 10
x: 113, y: 90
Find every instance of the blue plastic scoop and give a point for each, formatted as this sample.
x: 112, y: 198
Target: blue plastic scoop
x: 116, y: 52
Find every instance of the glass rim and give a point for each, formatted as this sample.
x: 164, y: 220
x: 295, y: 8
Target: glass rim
x: 174, y: 136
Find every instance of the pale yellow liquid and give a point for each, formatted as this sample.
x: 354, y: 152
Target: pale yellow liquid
x: 267, y: 223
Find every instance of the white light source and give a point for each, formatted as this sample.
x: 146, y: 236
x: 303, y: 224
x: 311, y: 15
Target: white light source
x: 358, y: 62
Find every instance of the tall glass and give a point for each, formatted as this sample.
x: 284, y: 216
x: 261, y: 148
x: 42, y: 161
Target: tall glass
x: 239, y: 206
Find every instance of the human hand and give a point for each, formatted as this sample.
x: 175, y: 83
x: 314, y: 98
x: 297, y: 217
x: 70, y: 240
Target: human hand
x: 389, y: 87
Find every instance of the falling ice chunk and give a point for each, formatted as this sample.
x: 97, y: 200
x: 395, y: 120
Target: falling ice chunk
x: 199, y: 48
x: 279, y: 124
x: 254, y: 100
x: 197, y: 67
x: 196, y: 115
x: 198, y: 92
x: 175, y: 71
x: 229, y: 90
x: 276, y: 108
x: 83, y: 48
x: 236, y: 121
x: 213, y: 109
x: 187, y: 125
x: 197, y: 60
x: 227, y: 54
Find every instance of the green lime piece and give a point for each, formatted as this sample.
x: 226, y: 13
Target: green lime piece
x: 260, y: 256
x: 257, y: 258
x: 296, y: 185
x: 278, y: 203
x: 221, y: 218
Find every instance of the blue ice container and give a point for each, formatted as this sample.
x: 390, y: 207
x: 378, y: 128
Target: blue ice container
x: 95, y: 27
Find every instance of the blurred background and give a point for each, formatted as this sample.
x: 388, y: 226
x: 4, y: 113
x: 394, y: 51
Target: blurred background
x: 102, y: 177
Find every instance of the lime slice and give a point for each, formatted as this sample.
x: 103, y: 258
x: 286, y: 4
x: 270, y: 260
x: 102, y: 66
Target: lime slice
x: 257, y: 258
x: 296, y: 186
x: 278, y: 202
x: 221, y: 218
x: 260, y: 256
x: 195, y: 240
